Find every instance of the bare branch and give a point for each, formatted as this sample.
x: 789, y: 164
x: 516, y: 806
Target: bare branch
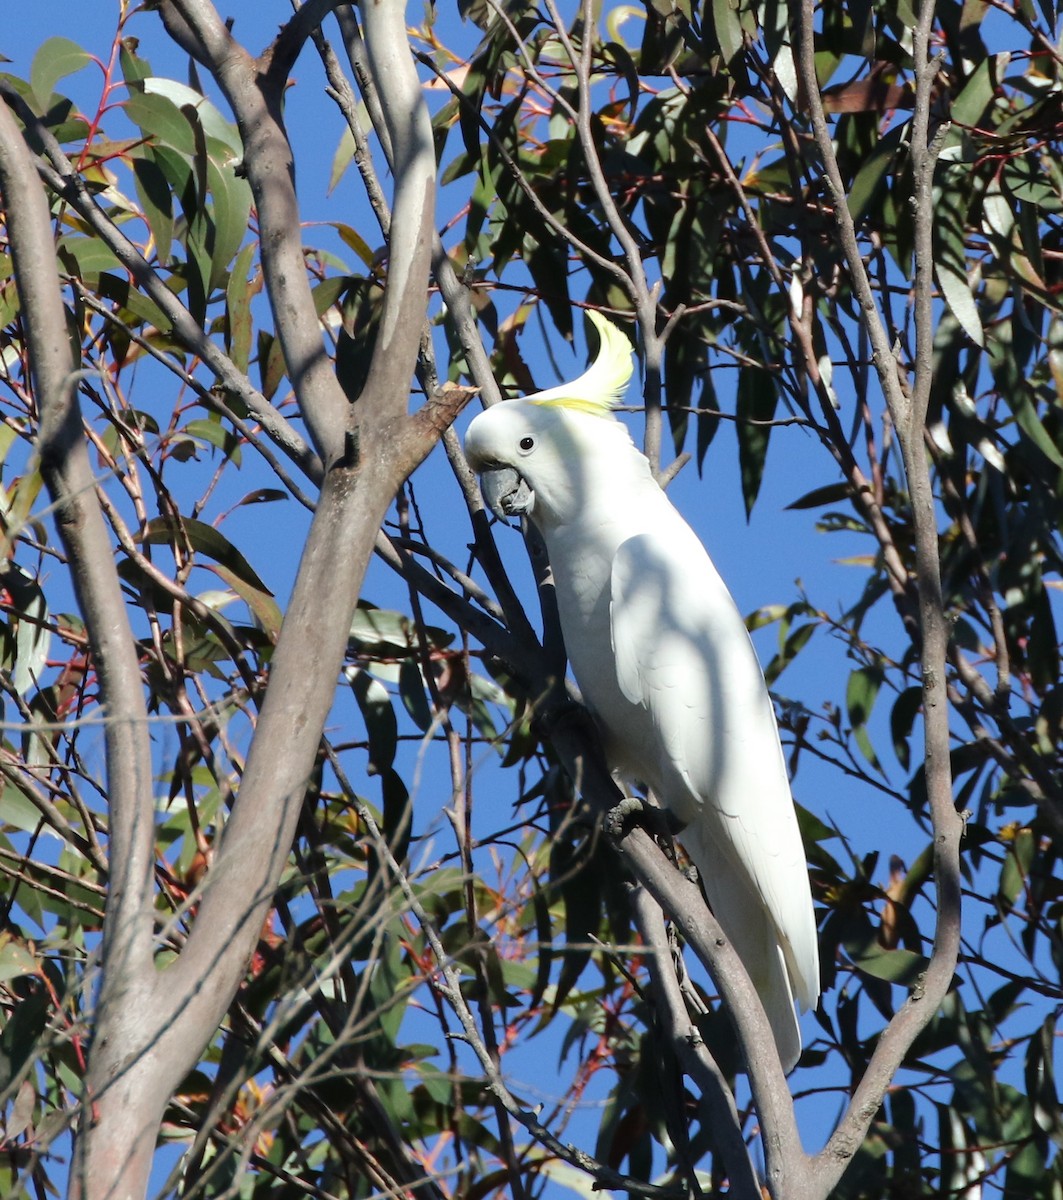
x: 123, y: 1006
x: 643, y: 297
x: 786, y: 1164
x: 255, y: 94
x: 692, y: 1053
x: 886, y: 364
x: 909, y: 416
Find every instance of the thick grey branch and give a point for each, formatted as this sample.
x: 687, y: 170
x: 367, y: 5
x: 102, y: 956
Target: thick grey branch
x: 414, y: 164
x: 122, y: 1010
x: 908, y: 416
x: 255, y: 94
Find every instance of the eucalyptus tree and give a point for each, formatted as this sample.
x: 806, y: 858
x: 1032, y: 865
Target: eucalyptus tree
x: 268, y: 666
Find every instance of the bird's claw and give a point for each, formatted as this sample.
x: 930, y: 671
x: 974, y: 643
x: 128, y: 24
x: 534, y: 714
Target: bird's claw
x: 618, y: 819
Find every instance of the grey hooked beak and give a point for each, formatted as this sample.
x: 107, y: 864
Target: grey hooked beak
x: 505, y: 492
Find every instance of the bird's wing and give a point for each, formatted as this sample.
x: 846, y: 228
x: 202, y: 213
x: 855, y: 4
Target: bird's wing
x: 682, y: 652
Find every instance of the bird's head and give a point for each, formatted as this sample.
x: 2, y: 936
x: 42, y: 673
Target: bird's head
x: 536, y: 456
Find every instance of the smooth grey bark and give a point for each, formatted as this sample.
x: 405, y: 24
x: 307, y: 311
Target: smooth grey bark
x: 907, y: 400
x: 126, y: 945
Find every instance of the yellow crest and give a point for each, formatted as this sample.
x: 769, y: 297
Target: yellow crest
x: 601, y: 387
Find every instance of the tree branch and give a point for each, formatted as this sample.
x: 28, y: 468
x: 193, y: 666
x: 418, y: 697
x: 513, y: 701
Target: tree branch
x: 151, y: 1026
x: 725, y: 1129
x: 634, y: 280
x: 909, y: 417
x: 255, y: 95
x: 123, y: 1010
x: 786, y: 1164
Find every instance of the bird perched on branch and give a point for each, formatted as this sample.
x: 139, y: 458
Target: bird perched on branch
x: 664, y: 662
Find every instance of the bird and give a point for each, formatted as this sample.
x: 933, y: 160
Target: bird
x: 663, y: 661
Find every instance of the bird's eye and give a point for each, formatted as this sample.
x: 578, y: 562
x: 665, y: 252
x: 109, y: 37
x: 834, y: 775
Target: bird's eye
x: 527, y: 443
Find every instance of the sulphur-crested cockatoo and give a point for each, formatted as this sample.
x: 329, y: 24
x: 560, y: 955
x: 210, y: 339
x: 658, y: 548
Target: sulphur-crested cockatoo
x: 664, y: 662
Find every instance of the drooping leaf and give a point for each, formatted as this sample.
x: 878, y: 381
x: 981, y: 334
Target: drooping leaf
x: 755, y: 407
x: 378, y: 713
x: 230, y: 564
x: 239, y: 290
x: 55, y: 59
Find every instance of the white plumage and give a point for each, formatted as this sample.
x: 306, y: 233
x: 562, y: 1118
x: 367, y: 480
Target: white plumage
x: 663, y: 659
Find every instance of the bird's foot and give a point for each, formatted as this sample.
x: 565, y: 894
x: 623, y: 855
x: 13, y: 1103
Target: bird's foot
x: 637, y: 810
x: 619, y: 819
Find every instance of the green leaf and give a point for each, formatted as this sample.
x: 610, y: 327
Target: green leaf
x: 1017, y: 864
x: 56, y: 58
x: 956, y: 288
x: 831, y: 493
x: 397, y: 822
x: 203, y: 112
x: 1021, y: 404
x: 950, y: 254
x: 378, y: 630
x: 239, y: 289
x: 708, y: 420
x: 413, y: 695
x: 756, y: 402
x: 20, y: 1037
x: 134, y: 68
x: 328, y: 291
x: 1043, y: 650
x: 869, y: 184
x: 728, y: 26
x: 791, y: 646
x: 574, y: 873
x: 860, y: 693
x: 1026, y: 1173
x: 1041, y: 1080
x: 15, y: 959
x: 32, y: 635
x: 894, y: 966
x: 262, y: 496
x: 544, y: 948
x: 161, y: 119
x: 231, y: 564
x: 977, y: 93
x: 154, y: 193
x: 258, y: 599
x: 271, y: 364
x: 381, y: 725
x: 352, y: 238
x: 216, y: 435
x: 17, y: 811
x: 342, y: 159
x: 86, y: 258
x: 902, y: 717
x: 231, y: 205
x: 204, y: 538
x: 135, y: 306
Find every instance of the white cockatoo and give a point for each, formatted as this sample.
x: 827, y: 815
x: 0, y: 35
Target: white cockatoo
x: 664, y: 662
